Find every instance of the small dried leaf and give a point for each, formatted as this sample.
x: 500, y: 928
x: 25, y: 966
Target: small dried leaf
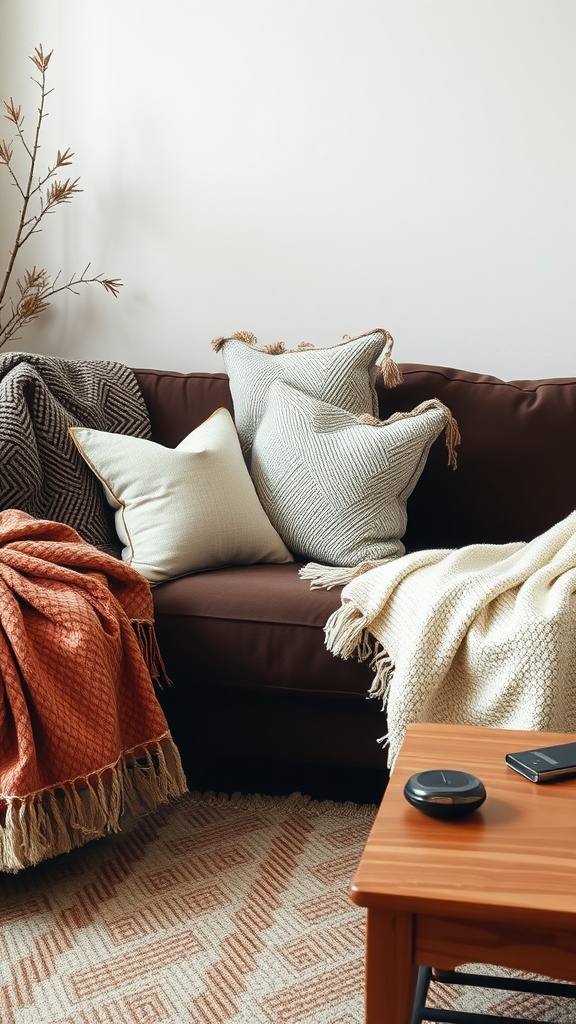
x: 64, y: 159
x: 112, y: 285
x: 31, y: 306
x: 33, y: 289
x: 5, y: 152
x: 61, y: 191
x: 33, y: 281
x: 13, y: 113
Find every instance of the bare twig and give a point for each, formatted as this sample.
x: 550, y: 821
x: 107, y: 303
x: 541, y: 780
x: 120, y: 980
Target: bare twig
x: 35, y: 288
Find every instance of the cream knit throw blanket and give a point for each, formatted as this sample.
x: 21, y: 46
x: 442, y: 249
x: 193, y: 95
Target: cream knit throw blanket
x: 482, y: 635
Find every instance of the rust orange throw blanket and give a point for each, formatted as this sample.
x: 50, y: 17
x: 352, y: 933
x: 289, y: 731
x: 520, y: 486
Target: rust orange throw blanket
x: 83, y: 739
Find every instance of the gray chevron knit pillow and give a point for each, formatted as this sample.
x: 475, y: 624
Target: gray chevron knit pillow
x: 335, y: 485
x: 342, y: 375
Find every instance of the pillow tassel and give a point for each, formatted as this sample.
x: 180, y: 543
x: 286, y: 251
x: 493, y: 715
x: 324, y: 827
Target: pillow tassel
x: 389, y: 368
x: 453, y: 437
x: 391, y: 374
x: 245, y: 336
x: 452, y: 440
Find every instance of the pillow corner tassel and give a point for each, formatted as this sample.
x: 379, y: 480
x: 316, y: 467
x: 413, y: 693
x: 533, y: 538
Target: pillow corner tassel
x: 452, y: 431
x: 391, y: 373
x: 246, y: 336
x: 453, y: 439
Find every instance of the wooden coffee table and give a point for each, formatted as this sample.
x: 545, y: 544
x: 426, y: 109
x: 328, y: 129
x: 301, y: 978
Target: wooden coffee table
x: 497, y: 887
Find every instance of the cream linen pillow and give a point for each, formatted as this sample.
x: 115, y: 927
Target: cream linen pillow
x: 334, y: 485
x: 182, y: 509
x: 343, y: 375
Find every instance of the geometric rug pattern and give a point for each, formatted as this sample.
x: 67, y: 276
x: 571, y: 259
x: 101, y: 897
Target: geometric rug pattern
x: 212, y: 910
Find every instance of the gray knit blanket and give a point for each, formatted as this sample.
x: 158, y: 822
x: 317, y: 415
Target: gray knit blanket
x: 41, y: 470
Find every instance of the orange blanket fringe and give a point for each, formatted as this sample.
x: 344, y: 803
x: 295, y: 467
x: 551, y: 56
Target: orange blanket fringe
x: 83, y: 739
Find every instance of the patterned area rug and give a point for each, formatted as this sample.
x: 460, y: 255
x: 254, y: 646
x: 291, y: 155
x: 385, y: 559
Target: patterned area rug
x: 210, y: 911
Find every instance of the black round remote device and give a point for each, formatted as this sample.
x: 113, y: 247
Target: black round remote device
x: 445, y: 793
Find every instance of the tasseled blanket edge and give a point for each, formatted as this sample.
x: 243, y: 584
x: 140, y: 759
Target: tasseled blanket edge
x: 40, y: 825
x: 146, y: 636
x: 347, y: 635
x: 327, y: 576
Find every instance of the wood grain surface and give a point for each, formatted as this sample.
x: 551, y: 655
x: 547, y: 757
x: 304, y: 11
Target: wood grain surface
x: 518, y: 851
x: 498, y: 886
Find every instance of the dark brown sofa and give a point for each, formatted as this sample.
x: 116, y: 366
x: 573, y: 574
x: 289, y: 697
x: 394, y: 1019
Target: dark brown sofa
x: 256, y: 702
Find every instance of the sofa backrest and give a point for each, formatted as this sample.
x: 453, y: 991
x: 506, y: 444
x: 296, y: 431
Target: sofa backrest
x: 179, y: 402
x: 516, y: 472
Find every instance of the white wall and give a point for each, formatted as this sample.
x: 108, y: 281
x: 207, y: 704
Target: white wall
x: 306, y: 169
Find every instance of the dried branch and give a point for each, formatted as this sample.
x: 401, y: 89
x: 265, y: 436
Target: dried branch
x: 39, y: 196
x: 37, y: 288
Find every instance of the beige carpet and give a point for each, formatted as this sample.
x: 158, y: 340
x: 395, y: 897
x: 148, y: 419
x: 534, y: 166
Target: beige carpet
x: 212, y: 911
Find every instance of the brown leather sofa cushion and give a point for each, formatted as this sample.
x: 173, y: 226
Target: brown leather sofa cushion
x: 259, y: 626
x: 258, y: 703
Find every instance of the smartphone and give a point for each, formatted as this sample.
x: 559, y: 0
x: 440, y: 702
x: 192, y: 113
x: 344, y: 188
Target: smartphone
x: 544, y: 764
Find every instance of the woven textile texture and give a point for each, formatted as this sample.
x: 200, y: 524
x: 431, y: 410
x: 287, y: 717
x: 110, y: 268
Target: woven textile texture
x: 42, y: 471
x: 210, y: 911
x: 481, y: 635
x: 83, y: 735
x: 342, y: 375
x: 334, y: 485
x: 179, y: 510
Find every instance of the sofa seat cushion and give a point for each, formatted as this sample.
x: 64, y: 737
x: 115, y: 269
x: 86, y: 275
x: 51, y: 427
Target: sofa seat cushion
x: 253, y: 626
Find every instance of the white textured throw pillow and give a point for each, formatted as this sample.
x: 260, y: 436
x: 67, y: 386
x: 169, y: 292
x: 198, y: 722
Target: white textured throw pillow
x: 342, y: 375
x: 179, y: 510
x: 335, y: 485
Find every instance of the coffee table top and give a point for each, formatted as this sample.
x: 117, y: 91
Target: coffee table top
x: 517, y: 853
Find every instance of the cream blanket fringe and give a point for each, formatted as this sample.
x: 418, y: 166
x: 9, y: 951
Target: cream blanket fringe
x: 481, y: 635
x: 57, y: 820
